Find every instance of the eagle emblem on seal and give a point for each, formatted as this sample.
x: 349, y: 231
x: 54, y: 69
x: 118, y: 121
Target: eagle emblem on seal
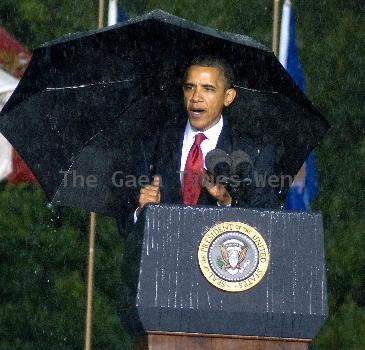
x: 233, y: 253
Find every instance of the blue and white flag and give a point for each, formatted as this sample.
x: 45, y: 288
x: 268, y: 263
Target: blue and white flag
x: 115, y: 13
x: 305, y: 186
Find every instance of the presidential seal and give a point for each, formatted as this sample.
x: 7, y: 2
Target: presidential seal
x: 233, y: 256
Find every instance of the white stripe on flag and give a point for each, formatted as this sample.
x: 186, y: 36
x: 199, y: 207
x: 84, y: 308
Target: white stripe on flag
x: 7, y: 85
x: 7, y: 82
x: 285, y: 33
x: 112, y: 12
x: 6, y: 158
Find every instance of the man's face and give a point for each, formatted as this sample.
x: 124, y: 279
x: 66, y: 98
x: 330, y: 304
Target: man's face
x: 205, y: 95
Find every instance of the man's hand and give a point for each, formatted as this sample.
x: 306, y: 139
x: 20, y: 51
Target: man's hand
x: 150, y: 193
x: 218, y: 191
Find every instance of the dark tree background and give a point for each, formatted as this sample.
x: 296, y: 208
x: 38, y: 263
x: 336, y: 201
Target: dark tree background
x: 43, y: 252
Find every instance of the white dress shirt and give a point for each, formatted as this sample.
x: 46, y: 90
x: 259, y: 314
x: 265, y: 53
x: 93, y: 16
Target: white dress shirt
x: 210, y: 143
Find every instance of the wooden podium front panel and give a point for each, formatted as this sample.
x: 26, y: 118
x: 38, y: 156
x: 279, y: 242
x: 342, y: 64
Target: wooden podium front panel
x: 184, y: 341
x: 174, y: 296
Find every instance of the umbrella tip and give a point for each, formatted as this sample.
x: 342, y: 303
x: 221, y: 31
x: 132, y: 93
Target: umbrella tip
x: 159, y: 14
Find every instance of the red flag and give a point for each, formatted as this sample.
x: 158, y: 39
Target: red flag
x: 21, y: 172
x: 14, y: 58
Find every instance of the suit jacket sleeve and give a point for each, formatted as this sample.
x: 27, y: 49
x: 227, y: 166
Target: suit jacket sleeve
x: 143, y: 153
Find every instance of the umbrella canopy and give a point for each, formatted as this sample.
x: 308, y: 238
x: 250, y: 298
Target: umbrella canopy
x: 87, y: 99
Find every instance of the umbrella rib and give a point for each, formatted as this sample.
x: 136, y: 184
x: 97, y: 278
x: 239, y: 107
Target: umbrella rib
x: 71, y: 165
x: 254, y: 90
x: 91, y: 84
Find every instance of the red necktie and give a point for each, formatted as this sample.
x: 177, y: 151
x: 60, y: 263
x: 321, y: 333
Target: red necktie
x: 193, y: 173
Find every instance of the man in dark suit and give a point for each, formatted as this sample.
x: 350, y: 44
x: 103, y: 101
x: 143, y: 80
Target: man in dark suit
x: 179, y: 149
x: 207, y: 91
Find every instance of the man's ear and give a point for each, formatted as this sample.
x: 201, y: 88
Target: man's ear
x: 230, y: 95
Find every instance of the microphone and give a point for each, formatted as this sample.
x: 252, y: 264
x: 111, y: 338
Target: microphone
x: 218, y: 165
x: 241, y: 167
x: 232, y: 171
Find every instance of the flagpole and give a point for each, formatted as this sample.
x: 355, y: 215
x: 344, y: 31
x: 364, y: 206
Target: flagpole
x: 275, y: 27
x: 101, y: 14
x: 90, y: 282
x: 90, y: 266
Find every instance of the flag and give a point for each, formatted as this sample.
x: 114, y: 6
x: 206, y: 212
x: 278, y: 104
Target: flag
x: 7, y: 85
x: 6, y: 162
x: 14, y: 59
x: 305, y: 186
x: 115, y: 13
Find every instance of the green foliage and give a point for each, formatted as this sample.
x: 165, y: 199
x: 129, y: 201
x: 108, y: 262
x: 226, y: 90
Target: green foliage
x: 250, y: 17
x: 36, y: 21
x: 43, y: 253
x: 43, y: 256
x: 345, y: 329
x: 332, y: 45
x: 332, y: 55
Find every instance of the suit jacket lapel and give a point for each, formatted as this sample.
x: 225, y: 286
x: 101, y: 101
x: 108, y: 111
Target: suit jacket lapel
x: 169, y: 165
x: 225, y: 138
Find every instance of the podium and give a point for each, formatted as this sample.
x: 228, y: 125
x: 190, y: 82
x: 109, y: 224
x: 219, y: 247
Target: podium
x: 213, y: 277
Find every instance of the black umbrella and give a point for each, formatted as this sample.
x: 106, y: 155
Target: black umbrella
x: 87, y: 99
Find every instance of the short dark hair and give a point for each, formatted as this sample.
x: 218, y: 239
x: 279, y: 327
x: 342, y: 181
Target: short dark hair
x: 216, y: 62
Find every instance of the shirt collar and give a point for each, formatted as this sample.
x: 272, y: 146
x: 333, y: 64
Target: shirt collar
x: 211, y: 133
